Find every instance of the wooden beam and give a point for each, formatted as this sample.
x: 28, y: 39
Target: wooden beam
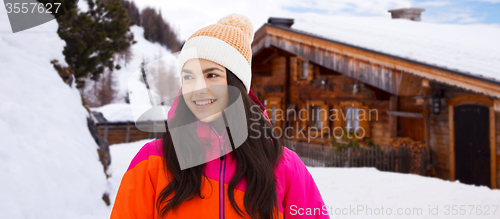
x: 427, y: 131
x: 393, y: 120
x: 452, y: 142
x: 406, y: 114
x: 470, y: 99
x: 272, y: 56
x: 496, y: 106
x: 128, y: 133
x: 493, y: 149
x: 409, y: 85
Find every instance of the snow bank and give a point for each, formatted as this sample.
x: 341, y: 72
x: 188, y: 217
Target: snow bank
x: 468, y: 48
x: 367, y: 187
x: 49, y: 166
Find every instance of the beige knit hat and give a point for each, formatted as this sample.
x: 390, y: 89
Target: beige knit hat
x: 228, y: 43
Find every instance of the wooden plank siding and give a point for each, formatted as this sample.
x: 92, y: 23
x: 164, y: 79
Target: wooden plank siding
x: 337, y: 89
x: 439, y: 142
x: 117, y: 136
x: 385, y: 71
x: 497, y: 141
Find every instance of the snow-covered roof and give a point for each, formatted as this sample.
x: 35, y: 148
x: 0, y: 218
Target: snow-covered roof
x: 469, y: 49
x: 123, y: 112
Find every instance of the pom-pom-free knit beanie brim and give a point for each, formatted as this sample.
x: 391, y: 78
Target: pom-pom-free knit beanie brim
x: 228, y: 43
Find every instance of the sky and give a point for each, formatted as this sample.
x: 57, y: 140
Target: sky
x: 187, y: 16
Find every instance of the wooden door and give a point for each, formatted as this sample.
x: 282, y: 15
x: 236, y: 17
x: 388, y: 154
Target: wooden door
x: 472, y: 150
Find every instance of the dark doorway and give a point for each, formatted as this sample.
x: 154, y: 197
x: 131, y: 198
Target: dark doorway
x: 472, y: 151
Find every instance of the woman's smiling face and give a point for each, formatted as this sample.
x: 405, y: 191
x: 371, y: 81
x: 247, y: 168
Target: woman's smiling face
x: 204, y: 88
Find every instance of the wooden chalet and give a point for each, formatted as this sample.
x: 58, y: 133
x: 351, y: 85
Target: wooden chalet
x: 454, y: 114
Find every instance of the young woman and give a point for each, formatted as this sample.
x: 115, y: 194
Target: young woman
x: 207, y: 167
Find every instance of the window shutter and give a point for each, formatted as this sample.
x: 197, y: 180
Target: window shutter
x: 337, y: 119
x: 279, y: 116
x: 310, y: 72
x: 324, y: 117
x: 268, y: 110
x: 294, y: 68
x: 303, y: 116
x: 364, y: 122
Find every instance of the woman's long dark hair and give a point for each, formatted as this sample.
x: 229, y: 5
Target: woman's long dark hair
x: 256, y: 160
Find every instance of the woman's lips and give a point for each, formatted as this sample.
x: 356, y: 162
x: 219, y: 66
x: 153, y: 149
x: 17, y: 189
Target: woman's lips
x: 205, y: 105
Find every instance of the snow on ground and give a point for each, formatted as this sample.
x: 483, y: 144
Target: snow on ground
x: 344, y: 189
x: 468, y: 48
x: 49, y: 166
x: 411, y: 195
x: 115, y: 112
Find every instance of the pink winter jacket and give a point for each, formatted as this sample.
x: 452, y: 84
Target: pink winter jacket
x: 146, y: 177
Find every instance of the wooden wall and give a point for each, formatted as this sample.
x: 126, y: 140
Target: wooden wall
x: 338, y: 88
x: 497, y: 122
x: 439, y: 142
x: 380, y: 129
x: 413, y: 128
x: 117, y: 136
x: 276, y: 79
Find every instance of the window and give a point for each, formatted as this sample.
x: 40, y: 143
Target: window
x: 302, y: 70
x: 316, y: 114
x: 352, y: 119
x: 305, y: 69
x: 353, y: 116
x: 274, y: 109
x: 273, y: 116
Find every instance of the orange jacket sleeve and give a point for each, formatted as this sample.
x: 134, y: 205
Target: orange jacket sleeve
x: 137, y: 192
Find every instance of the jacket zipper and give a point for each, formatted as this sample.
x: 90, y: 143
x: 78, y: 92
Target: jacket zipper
x: 222, y: 173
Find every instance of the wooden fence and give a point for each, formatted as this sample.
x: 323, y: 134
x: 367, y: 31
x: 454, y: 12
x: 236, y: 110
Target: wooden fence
x: 123, y: 132
x: 384, y: 158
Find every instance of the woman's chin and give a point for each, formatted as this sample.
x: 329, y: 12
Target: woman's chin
x: 210, y: 118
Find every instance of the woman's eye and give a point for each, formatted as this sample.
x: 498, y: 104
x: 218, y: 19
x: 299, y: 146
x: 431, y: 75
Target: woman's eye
x: 211, y: 75
x: 187, y: 77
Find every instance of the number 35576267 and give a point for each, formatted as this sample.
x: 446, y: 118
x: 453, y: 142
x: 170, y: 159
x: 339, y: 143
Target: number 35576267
x: 35, y: 7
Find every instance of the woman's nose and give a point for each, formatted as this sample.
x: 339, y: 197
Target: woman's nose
x: 201, y: 86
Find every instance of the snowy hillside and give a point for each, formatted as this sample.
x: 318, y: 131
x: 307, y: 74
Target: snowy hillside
x: 49, y: 166
x: 143, y: 50
x: 129, y: 79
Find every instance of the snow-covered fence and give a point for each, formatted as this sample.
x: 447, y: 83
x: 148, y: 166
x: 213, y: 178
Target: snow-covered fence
x: 384, y: 158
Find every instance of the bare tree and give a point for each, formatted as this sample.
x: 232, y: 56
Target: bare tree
x: 126, y: 56
x: 164, y: 80
x: 103, y: 91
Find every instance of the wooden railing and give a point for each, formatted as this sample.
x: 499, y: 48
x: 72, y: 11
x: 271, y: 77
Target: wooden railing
x: 384, y: 158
